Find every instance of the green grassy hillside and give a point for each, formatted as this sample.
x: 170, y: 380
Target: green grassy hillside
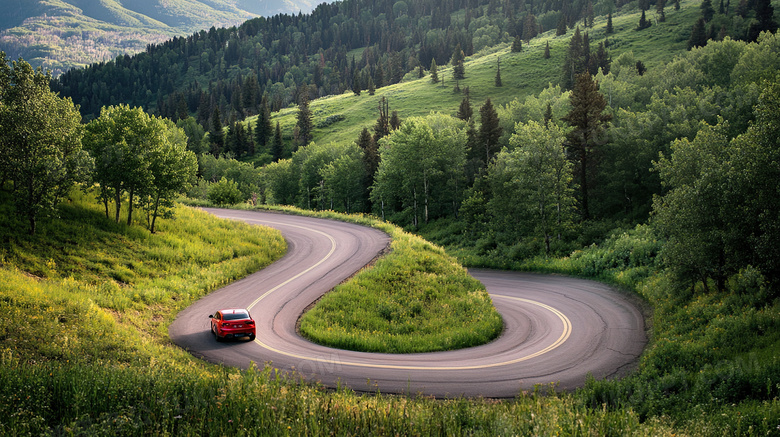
x: 523, y: 74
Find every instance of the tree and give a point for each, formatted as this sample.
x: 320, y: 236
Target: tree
x: 434, y: 71
x: 277, y: 147
x: 421, y: 168
x: 659, y: 8
x: 173, y: 169
x: 610, y: 29
x: 465, y: 111
x: 517, y: 45
x: 707, y: 11
x: 575, y: 62
x: 458, y: 69
x: 765, y: 20
x: 141, y: 158
x: 40, y: 141
x: 644, y: 23
x: 370, y: 156
x: 304, y: 124
x: 690, y: 215
x: 382, y: 126
x: 547, y: 50
x: 589, y: 121
x: 498, y: 81
x: 263, y: 129
x: 540, y: 180
x: 489, y: 134
x: 224, y: 192
x: 216, y: 135
x: 698, y: 36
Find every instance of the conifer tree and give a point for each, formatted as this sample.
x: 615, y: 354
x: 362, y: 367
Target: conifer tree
x: 263, y: 129
x: 609, y: 29
x: 589, y: 121
x: 517, y: 45
x: 659, y: 9
x: 304, y: 124
x: 644, y: 23
x: 698, y: 35
x: 574, y: 63
x: 465, y: 111
x: 489, y: 133
x: 498, y: 81
x: 458, y: 70
x: 707, y: 12
x: 276, y: 145
x: 434, y: 71
x: 216, y: 136
x: 547, y: 50
x: 382, y: 126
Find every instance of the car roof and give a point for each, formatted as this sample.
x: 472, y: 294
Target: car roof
x: 234, y: 310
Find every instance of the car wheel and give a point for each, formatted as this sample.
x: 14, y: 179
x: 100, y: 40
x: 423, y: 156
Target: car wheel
x: 216, y: 337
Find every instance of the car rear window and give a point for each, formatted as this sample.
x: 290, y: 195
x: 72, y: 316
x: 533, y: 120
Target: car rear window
x: 236, y: 315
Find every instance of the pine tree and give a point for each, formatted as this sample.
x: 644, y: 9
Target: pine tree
x: 574, y: 63
x: 370, y: 154
x: 517, y: 45
x: 356, y: 84
x: 263, y: 129
x: 644, y: 23
x: 458, y: 70
x: 216, y: 136
x: 498, y: 81
x: 382, y: 126
x: 465, y: 112
x: 765, y: 14
x: 395, y: 120
x: 707, y: 12
x: 610, y: 29
x: 589, y: 122
x: 561, y: 29
x: 434, y: 71
x: 698, y: 35
x: 547, y: 50
x: 304, y: 124
x: 277, y: 146
x: 489, y: 134
x: 659, y: 9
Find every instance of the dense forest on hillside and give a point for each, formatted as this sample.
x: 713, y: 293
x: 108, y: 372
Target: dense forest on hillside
x: 376, y: 42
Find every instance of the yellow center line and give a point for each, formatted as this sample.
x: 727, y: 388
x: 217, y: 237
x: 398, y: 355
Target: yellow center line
x: 561, y: 339
x: 329, y: 254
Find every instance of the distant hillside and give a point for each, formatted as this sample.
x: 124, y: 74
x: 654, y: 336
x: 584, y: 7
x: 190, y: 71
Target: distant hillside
x: 60, y: 34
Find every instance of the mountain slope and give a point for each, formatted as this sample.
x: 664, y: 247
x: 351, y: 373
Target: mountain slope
x: 60, y: 34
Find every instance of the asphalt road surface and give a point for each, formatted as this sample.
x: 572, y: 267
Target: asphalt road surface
x: 556, y: 329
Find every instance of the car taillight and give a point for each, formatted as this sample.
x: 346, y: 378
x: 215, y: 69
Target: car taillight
x: 250, y: 322
x: 225, y: 324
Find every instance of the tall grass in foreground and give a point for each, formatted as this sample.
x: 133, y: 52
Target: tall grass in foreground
x: 57, y: 398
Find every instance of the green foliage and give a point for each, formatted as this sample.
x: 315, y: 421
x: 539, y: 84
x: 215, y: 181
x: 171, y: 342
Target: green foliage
x: 421, y: 169
x: 224, y: 193
x: 40, y: 142
x: 140, y: 157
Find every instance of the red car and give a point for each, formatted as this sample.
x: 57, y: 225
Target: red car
x: 232, y: 323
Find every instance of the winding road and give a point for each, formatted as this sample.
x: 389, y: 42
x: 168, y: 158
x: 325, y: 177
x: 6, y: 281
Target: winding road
x: 556, y: 329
